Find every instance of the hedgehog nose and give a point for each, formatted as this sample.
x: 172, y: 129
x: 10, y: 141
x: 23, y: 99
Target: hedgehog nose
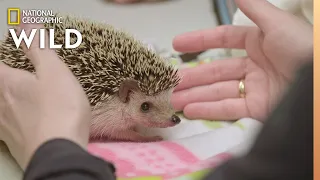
x: 175, y: 119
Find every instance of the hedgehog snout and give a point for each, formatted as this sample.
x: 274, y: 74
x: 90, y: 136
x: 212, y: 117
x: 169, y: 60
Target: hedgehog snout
x: 175, y: 119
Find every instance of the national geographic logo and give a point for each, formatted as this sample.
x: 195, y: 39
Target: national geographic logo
x: 13, y: 16
x: 33, y: 16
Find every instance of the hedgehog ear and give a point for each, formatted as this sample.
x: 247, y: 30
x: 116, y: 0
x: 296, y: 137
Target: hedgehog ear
x: 125, y: 88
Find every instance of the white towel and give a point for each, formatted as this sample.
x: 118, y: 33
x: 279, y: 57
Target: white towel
x: 300, y: 8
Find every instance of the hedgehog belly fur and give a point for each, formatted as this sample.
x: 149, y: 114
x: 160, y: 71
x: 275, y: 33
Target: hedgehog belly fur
x: 104, y: 59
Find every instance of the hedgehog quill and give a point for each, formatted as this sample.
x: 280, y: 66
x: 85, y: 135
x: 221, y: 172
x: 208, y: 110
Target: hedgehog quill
x: 127, y: 84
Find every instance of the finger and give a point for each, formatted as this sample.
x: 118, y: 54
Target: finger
x: 214, y: 92
x: 11, y: 76
x: 229, y: 109
x: 3, y: 68
x: 5, y: 72
x: 219, y: 70
x: 225, y: 36
x: 264, y: 14
x: 40, y: 57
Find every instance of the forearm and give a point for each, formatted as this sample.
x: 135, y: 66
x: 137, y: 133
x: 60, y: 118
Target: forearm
x: 64, y: 160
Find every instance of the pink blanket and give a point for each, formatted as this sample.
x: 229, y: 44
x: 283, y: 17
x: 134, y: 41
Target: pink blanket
x: 166, y: 159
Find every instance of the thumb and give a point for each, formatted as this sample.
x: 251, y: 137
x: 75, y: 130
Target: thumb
x: 264, y: 14
x: 6, y: 72
x: 41, y: 58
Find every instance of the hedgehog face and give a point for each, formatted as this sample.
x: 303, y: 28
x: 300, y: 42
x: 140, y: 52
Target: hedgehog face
x: 152, y: 111
x: 149, y: 111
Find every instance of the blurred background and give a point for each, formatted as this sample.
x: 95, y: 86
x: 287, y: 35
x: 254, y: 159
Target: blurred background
x: 156, y: 22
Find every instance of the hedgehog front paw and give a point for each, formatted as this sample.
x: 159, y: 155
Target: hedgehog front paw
x: 148, y: 138
x: 156, y: 138
x: 137, y: 137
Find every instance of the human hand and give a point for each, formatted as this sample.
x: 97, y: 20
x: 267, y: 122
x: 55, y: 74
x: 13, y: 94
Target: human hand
x: 35, y: 108
x: 276, y: 49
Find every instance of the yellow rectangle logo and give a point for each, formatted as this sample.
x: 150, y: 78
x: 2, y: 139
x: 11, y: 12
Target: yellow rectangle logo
x: 13, y: 11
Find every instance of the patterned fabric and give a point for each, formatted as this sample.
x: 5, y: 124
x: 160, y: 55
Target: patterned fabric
x: 165, y: 159
x: 182, y: 159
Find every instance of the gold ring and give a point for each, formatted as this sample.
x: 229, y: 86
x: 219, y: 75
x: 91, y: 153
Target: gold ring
x: 242, y: 90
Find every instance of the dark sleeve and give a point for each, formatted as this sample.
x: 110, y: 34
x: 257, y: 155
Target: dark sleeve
x: 284, y: 148
x: 61, y: 159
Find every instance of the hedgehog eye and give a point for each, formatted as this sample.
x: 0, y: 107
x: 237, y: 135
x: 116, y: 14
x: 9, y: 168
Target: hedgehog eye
x: 145, y: 106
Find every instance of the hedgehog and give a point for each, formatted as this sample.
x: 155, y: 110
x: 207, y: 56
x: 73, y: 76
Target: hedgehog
x: 127, y: 84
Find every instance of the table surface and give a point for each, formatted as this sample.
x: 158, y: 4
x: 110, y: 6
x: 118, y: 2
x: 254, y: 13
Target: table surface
x: 158, y: 22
